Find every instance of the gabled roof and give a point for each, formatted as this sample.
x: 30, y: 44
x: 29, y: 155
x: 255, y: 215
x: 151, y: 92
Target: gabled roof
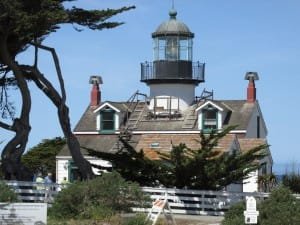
x: 87, y: 122
x: 214, y: 104
x: 106, y: 104
x: 239, y: 113
x: 235, y: 112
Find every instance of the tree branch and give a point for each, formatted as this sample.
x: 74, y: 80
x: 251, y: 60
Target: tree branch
x: 57, y: 66
x: 63, y: 114
x: 6, y: 126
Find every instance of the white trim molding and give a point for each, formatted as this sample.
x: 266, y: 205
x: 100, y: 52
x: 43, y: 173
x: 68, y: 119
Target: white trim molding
x: 104, y: 105
x: 211, y: 103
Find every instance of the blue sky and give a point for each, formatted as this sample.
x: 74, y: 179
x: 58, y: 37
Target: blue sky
x: 231, y: 37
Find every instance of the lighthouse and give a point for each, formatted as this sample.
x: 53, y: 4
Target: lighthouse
x: 172, y: 76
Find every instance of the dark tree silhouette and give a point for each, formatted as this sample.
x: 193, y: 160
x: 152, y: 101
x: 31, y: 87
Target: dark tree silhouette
x: 25, y: 23
x: 205, y: 168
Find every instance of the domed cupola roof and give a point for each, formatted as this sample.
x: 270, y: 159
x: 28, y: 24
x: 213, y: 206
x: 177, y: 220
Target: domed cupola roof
x: 172, y: 27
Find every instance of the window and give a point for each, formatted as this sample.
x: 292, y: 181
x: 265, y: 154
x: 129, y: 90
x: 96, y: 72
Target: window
x: 263, y: 168
x: 210, y: 119
x: 258, y: 127
x: 107, y: 120
x: 74, y: 174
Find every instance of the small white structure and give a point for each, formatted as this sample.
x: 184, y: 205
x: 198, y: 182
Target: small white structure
x: 251, y: 214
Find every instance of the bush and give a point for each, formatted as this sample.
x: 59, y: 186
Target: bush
x: 6, y: 194
x: 99, y: 198
x: 139, y: 219
x: 292, y: 181
x: 233, y: 216
x: 280, y: 208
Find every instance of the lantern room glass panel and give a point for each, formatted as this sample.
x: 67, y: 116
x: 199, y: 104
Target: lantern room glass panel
x: 173, y: 48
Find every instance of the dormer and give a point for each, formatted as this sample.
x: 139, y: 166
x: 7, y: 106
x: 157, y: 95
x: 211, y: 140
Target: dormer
x: 107, y: 118
x: 209, y: 116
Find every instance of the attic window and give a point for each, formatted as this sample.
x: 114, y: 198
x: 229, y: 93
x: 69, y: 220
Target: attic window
x: 210, y: 118
x: 107, y: 120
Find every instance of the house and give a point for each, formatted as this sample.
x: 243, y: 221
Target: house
x: 171, y: 113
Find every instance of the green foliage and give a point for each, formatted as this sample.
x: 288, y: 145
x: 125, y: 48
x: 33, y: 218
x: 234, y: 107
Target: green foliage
x: 132, y: 165
x: 292, y: 181
x: 235, y: 215
x: 267, y: 182
x: 41, y: 158
x: 204, y: 168
x: 21, y: 22
x: 6, y: 194
x: 25, y: 23
x: 280, y: 208
x: 99, y: 198
x: 139, y: 219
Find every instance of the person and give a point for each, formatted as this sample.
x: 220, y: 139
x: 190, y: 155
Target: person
x: 39, y: 180
x: 48, y: 179
x: 48, y: 184
x: 39, y: 186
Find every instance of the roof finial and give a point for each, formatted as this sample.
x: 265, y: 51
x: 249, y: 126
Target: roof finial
x: 173, y: 11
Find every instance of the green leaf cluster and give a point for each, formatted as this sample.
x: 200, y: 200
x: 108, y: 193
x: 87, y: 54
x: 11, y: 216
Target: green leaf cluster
x: 23, y: 21
x: 99, y: 198
x: 6, y: 194
x: 280, y: 208
x: 292, y: 181
x: 205, y: 168
x: 41, y: 158
x: 132, y: 165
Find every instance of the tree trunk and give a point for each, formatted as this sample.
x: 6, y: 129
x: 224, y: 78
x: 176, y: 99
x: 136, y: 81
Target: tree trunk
x: 63, y: 113
x: 12, y: 152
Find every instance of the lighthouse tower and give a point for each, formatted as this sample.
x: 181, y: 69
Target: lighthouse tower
x: 173, y: 76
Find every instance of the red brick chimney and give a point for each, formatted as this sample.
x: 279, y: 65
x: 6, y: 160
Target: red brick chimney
x: 95, y: 93
x: 251, y: 90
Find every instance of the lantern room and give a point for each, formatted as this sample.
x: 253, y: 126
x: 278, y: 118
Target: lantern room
x: 173, y: 40
x: 173, y: 55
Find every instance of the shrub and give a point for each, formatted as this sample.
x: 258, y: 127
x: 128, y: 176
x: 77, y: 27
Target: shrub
x: 6, y: 194
x: 233, y: 216
x: 99, y: 198
x: 280, y: 208
x: 139, y: 219
x: 292, y: 181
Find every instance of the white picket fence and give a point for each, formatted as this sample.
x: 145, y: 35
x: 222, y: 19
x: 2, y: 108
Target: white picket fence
x: 34, y: 192
x: 181, y: 201
x: 195, y: 202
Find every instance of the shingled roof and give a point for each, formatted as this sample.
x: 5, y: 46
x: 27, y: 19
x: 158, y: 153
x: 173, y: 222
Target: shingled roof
x: 237, y: 112
x: 101, y: 143
x: 247, y: 144
x: 164, y: 143
x: 87, y: 122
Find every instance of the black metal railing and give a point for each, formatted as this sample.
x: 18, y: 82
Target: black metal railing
x: 177, y: 70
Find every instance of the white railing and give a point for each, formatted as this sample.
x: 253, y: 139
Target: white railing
x: 34, y: 192
x: 181, y: 201
x: 199, y: 202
